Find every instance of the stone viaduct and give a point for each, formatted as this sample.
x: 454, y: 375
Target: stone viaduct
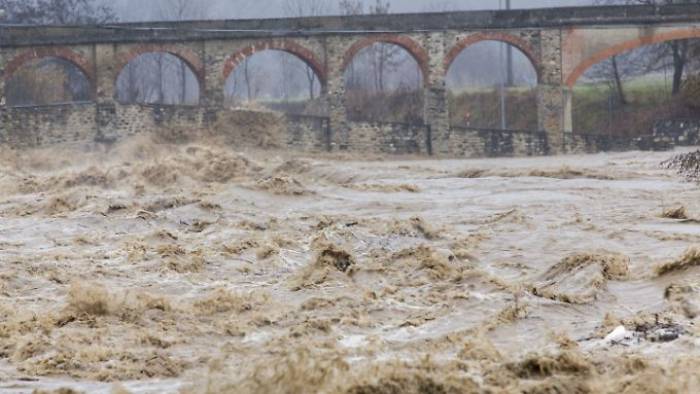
x: 561, y: 44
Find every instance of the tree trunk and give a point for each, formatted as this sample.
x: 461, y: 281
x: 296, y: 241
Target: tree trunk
x: 284, y: 69
x: 311, y: 77
x: 183, y: 87
x: 680, y: 51
x: 618, y: 82
x: 161, y: 85
x: 382, y: 65
x: 246, y: 76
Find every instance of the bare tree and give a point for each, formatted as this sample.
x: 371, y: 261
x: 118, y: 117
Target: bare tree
x: 162, y: 78
x: 247, y: 79
x: 440, y: 6
x: 75, y: 86
x: 619, y: 68
x: 303, y: 8
x: 56, y: 12
x: 678, y: 50
x: 382, y: 58
x: 349, y: 8
x: 618, y: 81
x: 180, y: 10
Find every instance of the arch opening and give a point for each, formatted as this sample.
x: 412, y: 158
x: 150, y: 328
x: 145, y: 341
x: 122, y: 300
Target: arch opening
x: 630, y: 93
x: 47, y: 81
x: 275, y: 79
x: 486, y: 90
x: 384, y: 83
x: 157, y: 78
x: 659, y: 38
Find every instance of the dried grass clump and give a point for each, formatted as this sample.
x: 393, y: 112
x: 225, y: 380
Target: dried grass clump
x: 224, y: 301
x: 241, y: 246
x: 421, y: 378
x: 566, y: 172
x: 382, y: 188
x: 89, y: 299
x: 161, y: 174
x: 301, y: 371
x: 282, y: 185
x: 216, y: 166
x: 64, y: 203
x: 329, y: 260
x: 107, y: 363
x: 678, y: 212
x: 74, y: 342
x: 333, y: 256
x: 92, y: 176
x: 414, y: 227
x: 62, y: 390
x: 508, y: 315
x: 199, y: 163
x: 613, y: 266
x: 563, y: 172
x: 174, y: 135
x: 479, y: 348
x: 684, y: 299
x: 541, y: 366
x: 472, y: 173
x: 94, y: 300
x: 294, y: 166
x: 177, y: 259
x: 579, y: 278
x: 574, y: 372
x: 424, y: 259
x: 291, y: 371
x: 267, y: 250
x: 690, y: 258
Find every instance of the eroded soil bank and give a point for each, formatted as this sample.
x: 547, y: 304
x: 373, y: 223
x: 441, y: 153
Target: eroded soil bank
x: 152, y: 268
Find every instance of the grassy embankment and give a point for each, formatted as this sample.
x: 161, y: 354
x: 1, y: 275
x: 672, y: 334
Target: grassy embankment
x: 596, y: 109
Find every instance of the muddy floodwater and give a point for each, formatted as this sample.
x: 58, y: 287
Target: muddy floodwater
x: 156, y: 268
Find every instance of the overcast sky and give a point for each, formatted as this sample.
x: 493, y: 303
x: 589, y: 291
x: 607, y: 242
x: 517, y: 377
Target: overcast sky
x: 234, y: 9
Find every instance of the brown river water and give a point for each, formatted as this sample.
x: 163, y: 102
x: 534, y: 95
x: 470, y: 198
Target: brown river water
x: 156, y: 268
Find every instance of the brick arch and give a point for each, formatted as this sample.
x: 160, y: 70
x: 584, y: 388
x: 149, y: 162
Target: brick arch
x: 517, y: 42
x: 628, y: 46
x: 288, y: 46
x: 64, y: 53
x: 191, y: 59
x: 405, y: 42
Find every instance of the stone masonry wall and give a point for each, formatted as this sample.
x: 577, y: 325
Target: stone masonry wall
x: 391, y: 138
x: 28, y: 127
x: 594, y: 143
x: 309, y: 133
x: 25, y: 127
x: 682, y: 132
x: 466, y: 142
